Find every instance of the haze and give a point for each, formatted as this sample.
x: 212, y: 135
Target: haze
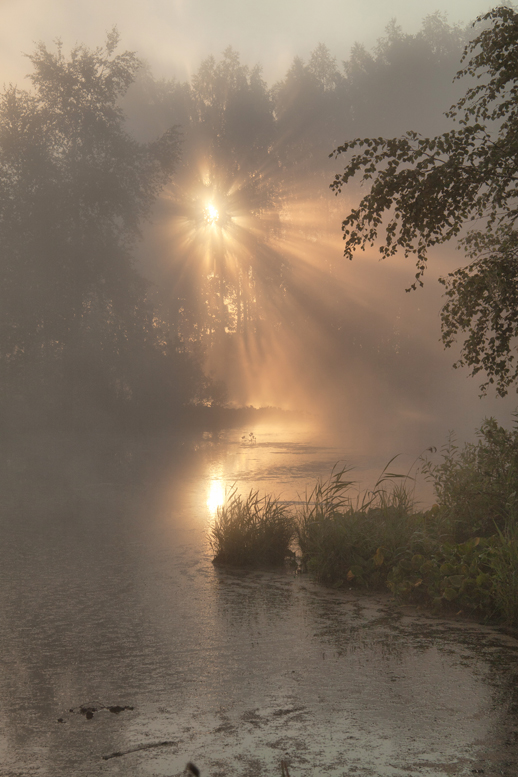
x: 174, y: 36
x: 179, y: 328
x: 341, y: 339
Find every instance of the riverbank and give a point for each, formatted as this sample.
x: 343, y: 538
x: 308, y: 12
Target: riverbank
x: 109, y: 598
x: 461, y: 553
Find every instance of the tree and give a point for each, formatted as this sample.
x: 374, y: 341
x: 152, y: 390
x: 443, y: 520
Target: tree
x: 74, y: 190
x: 311, y: 107
x: 426, y: 191
x: 404, y: 81
x: 221, y: 206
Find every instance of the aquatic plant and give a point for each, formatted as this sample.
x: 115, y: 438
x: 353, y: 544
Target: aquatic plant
x: 355, y: 539
x: 478, y: 576
x: 504, y: 576
x: 462, y: 552
x: 251, y: 531
x: 455, y: 573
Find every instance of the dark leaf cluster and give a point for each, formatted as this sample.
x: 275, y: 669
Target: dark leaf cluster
x: 425, y: 191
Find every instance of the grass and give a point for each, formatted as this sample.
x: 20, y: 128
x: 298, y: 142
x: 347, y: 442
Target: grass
x: 461, y: 553
x: 346, y: 539
x: 252, y: 531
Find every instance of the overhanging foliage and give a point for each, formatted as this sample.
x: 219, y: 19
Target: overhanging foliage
x: 423, y: 192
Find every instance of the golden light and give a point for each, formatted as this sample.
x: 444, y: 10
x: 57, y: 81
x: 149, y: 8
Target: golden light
x: 211, y: 214
x: 234, y: 251
x: 216, y: 496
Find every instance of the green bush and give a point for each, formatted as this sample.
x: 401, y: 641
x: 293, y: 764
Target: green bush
x: 477, y: 487
x: 355, y: 541
x: 463, y: 552
x: 252, y: 531
x: 479, y: 576
x: 504, y: 574
x: 454, y: 573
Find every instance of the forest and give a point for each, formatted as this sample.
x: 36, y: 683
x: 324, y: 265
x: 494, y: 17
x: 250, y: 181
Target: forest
x: 156, y: 234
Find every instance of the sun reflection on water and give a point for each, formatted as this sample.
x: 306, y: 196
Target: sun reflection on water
x: 216, y: 496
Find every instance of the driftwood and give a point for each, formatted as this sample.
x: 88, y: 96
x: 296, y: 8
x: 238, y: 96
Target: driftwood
x: 193, y: 770
x: 149, y: 746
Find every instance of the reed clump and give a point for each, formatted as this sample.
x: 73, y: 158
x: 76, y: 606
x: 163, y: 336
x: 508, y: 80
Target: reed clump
x: 348, y: 539
x: 462, y: 553
x: 252, y: 531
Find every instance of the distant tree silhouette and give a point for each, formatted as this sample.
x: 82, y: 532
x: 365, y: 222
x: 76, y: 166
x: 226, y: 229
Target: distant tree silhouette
x: 425, y: 190
x: 75, y: 320
x: 263, y: 154
x: 218, y: 284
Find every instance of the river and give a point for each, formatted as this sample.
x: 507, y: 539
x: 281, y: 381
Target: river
x: 109, y: 600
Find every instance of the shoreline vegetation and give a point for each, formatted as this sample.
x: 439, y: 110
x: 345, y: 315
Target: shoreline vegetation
x: 461, y: 555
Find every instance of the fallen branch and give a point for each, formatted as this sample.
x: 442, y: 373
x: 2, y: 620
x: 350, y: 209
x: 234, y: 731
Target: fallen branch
x: 120, y: 753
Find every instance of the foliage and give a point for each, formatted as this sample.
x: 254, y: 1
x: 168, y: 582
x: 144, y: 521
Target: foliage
x: 261, y: 153
x: 479, y: 575
x: 73, y: 189
x: 311, y: 106
x: 77, y: 327
x: 405, y: 80
x: 356, y: 541
x: 429, y: 188
x: 476, y: 486
x: 461, y: 553
x: 504, y: 572
x: 222, y: 277
x: 252, y: 531
x: 454, y: 573
x: 472, y: 561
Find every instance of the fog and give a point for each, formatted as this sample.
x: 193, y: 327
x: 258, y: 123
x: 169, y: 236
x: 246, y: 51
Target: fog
x: 175, y: 36
x: 250, y: 302
x: 177, y: 321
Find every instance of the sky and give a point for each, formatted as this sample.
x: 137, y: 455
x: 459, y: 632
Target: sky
x: 174, y: 36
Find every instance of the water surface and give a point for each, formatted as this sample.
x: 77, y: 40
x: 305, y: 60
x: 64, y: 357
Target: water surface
x: 109, y: 598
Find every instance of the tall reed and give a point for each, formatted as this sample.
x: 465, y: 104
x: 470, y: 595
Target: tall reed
x: 251, y: 531
x: 345, y: 537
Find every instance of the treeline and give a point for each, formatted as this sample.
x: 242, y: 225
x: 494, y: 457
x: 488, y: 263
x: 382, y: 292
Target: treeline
x: 262, y: 153
x: 87, y: 334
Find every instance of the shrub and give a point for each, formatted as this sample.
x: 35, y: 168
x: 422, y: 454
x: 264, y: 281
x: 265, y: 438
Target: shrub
x: 476, y: 487
x: 463, y: 552
x: 479, y: 575
x: 504, y: 572
x: 252, y: 531
x: 346, y: 540
x: 457, y: 574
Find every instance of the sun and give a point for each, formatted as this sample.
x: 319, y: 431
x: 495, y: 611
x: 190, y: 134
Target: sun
x: 211, y: 214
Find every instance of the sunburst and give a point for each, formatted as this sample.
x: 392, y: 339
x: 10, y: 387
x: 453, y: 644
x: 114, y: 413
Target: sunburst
x: 211, y: 214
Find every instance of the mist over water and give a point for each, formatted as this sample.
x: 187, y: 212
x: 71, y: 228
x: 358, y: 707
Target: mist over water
x: 244, y: 297
x: 108, y: 599
x: 177, y: 320
x: 185, y: 249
